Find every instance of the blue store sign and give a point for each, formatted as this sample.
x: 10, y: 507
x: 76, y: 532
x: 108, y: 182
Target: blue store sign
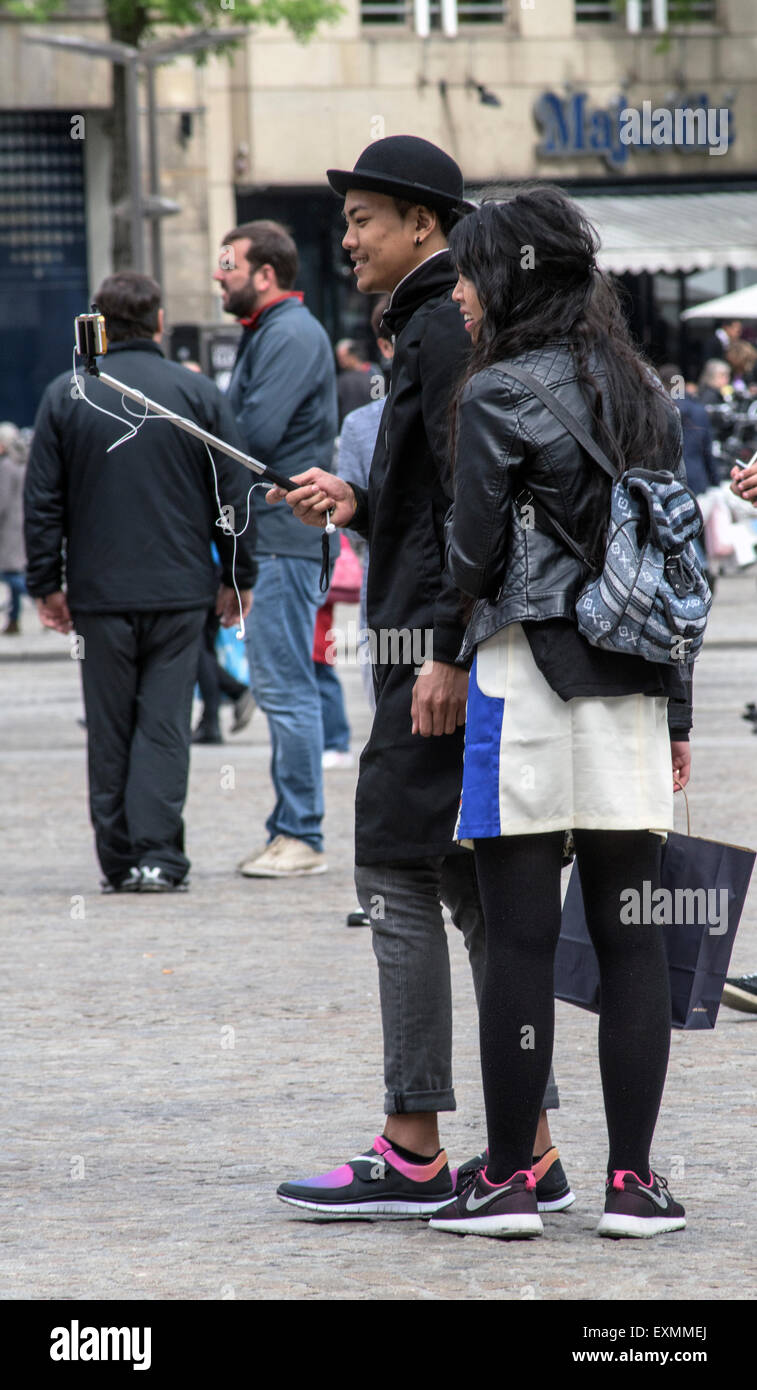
x: 573, y: 129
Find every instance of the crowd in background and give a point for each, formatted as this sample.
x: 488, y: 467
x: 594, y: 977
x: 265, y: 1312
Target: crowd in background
x: 719, y: 419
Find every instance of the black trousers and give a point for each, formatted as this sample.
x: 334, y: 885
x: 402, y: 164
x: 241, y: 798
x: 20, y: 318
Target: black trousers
x: 138, y: 673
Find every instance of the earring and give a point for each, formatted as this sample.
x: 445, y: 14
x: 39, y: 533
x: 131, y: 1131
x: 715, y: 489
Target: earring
x: 417, y: 241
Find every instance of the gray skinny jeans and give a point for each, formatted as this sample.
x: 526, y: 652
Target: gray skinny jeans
x: 404, y: 905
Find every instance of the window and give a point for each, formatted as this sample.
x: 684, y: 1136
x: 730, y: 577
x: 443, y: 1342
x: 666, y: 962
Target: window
x: 427, y: 15
x: 481, y: 11
x: 646, y: 14
x: 386, y: 11
x: 595, y: 11
x: 43, y: 254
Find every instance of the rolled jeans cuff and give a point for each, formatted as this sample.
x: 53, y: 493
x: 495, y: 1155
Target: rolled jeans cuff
x: 416, y: 1102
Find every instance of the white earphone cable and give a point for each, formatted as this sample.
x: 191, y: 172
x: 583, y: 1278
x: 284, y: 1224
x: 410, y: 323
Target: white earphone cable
x: 222, y: 520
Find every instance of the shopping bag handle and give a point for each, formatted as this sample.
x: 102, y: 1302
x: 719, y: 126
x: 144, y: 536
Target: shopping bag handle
x: 688, y: 812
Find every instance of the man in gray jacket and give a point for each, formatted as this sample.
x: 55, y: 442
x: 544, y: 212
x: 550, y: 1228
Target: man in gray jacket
x: 283, y: 394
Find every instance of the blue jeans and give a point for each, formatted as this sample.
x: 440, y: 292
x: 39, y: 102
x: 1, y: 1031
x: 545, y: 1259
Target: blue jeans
x: 282, y: 679
x: 16, y: 581
x: 336, y: 730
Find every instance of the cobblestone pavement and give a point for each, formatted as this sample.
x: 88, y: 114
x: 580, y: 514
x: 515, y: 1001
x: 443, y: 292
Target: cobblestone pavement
x: 169, y: 1060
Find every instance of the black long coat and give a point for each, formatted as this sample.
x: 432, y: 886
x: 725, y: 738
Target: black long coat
x: 409, y: 787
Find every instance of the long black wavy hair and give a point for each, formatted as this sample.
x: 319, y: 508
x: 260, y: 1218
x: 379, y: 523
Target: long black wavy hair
x: 532, y: 261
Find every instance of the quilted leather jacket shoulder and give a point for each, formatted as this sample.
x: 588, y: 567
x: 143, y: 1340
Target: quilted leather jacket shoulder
x: 510, y: 450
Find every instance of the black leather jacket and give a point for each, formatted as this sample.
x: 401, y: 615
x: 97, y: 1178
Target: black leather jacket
x: 510, y: 449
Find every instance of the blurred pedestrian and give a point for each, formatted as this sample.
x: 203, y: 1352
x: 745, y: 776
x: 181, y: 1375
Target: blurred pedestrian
x: 13, y: 456
x: 741, y: 357
x: 355, y: 383
x: 726, y: 333
x: 357, y: 443
x: 701, y: 468
x: 714, y: 383
x: 336, y: 727
x: 119, y: 549
x: 283, y: 394
x: 215, y: 683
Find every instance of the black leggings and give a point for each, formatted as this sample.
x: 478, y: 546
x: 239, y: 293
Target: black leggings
x: 519, y: 881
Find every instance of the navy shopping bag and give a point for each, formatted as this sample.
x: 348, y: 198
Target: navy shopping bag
x: 704, y: 886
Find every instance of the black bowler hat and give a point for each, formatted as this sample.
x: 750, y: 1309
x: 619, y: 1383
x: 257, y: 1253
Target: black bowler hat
x: 404, y: 166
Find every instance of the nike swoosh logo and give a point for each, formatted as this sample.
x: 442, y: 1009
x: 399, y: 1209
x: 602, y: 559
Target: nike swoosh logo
x: 473, y: 1203
x: 662, y: 1202
x: 378, y: 1164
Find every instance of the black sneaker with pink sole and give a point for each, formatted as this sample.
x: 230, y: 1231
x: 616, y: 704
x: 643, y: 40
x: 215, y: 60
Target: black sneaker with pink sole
x: 639, y: 1209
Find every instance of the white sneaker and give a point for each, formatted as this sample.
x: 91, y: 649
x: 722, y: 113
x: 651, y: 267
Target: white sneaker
x: 333, y: 758
x: 285, y: 857
x: 250, y: 858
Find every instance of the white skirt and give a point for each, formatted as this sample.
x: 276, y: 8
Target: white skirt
x: 535, y: 762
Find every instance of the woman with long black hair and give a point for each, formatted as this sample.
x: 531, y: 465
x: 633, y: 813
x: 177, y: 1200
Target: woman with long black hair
x: 562, y: 738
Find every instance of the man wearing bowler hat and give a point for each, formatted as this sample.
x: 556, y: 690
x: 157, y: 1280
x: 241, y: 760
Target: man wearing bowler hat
x: 400, y: 201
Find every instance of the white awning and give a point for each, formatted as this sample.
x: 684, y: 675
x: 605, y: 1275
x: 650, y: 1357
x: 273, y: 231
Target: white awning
x: 739, y: 304
x: 669, y: 231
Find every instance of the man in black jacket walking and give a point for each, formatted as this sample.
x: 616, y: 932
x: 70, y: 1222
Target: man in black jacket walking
x: 401, y: 199
x: 135, y: 526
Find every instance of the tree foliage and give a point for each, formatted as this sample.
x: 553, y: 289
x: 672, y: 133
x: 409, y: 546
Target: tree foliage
x: 131, y: 21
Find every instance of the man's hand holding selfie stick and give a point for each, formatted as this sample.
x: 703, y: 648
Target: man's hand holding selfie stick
x: 320, y: 495
x: 439, y: 694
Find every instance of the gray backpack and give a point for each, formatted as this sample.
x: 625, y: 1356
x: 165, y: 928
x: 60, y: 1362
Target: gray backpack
x: 651, y: 598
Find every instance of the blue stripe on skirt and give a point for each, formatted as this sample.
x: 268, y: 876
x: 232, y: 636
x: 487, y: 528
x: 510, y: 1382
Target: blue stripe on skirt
x: 479, y: 806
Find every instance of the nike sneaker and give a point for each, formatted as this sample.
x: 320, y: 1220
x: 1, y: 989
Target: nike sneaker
x: 157, y: 881
x: 374, y: 1185
x: 130, y: 884
x: 508, y: 1210
x: 552, y: 1187
x: 636, y: 1208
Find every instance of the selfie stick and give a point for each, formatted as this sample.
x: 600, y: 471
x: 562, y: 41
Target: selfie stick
x: 91, y: 343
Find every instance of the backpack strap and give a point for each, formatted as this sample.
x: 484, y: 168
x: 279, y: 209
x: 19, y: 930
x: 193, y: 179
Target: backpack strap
x: 526, y: 498
x: 582, y: 437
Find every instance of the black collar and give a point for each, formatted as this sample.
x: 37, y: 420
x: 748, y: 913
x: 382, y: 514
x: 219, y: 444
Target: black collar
x: 430, y: 278
x: 136, y: 345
